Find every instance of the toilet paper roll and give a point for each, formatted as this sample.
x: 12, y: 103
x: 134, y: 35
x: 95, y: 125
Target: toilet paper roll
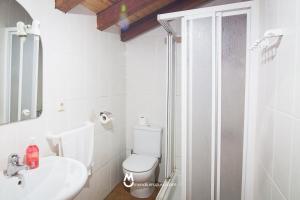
x: 105, y: 117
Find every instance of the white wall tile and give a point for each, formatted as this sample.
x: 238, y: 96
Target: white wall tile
x: 283, y: 127
x: 276, y: 194
x: 278, y: 104
x: 265, y: 139
x: 295, y: 174
x: 297, y: 68
x: 263, y: 185
x: 285, y: 73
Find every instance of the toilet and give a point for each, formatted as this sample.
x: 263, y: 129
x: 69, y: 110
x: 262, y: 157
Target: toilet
x: 144, y: 160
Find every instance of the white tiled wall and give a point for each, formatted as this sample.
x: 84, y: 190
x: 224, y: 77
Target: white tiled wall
x: 277, y: 153
x: 146, y: 65
x: 85, y: 69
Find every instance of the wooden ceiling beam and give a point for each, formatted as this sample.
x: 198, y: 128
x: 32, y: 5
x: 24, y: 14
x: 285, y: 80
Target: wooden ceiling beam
x: 150, y: 21
x: 66, y: 5
x: 114, y: 1
x: 111, y: 15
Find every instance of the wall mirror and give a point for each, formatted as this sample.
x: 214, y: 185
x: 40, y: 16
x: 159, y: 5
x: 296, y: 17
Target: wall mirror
x: 21, y: 64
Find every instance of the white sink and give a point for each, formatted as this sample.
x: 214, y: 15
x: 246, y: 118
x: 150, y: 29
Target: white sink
x: 57, y: 178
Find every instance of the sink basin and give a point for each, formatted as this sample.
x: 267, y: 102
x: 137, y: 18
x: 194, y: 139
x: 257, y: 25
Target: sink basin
x: 57, y: 178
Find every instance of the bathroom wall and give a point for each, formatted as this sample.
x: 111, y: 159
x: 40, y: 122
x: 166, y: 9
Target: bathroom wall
x: 146, y: 65
x: 85, y: 70
x: 277, y: 156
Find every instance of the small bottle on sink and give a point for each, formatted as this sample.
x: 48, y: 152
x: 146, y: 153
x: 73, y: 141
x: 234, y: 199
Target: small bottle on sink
x: 32, y: 155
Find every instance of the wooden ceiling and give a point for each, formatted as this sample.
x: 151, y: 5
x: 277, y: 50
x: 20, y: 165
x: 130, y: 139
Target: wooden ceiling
x: 134, y: 17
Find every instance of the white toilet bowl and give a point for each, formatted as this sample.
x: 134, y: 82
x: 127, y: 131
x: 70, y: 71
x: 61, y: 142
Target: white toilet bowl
x: 142, y: 168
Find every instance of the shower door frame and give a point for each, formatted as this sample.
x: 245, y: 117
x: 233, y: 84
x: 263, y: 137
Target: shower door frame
x: 216, y: 13
x: 169, y: 138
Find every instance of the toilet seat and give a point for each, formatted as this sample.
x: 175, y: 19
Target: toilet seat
x: 140, y: 163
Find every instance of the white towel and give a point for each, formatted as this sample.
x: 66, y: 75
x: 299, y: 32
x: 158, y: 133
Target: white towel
x: 79, y: 144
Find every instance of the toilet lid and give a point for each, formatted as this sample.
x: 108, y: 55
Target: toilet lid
x: 139, y: 163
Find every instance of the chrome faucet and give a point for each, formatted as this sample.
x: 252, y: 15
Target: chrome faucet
x: 14, y: 166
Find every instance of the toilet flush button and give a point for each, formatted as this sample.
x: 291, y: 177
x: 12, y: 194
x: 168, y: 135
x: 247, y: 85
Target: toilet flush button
x: 61, y: 107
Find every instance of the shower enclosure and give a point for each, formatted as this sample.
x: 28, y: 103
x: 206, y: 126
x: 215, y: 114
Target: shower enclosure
x: 208, y: 103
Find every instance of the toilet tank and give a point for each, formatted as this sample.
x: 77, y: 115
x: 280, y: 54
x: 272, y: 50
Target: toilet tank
x: 147, y: 141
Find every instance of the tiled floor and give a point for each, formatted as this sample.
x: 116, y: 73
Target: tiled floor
x: 120, y: 193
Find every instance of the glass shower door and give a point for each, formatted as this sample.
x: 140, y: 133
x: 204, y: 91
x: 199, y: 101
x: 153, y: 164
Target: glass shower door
x: 201, y: 104
x: 233, y: 46
x: 216, y: 65
x: 213, y: 102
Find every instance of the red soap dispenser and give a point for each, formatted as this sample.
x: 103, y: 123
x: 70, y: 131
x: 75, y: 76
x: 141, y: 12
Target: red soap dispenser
x: 32, y: 155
